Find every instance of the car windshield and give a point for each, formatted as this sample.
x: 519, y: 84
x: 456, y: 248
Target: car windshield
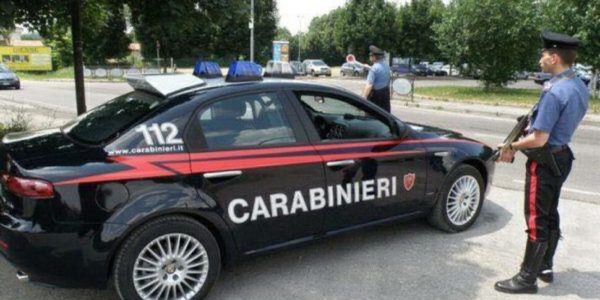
x: 3, y: 69
x: 107, y: 120
x: 318, y: 63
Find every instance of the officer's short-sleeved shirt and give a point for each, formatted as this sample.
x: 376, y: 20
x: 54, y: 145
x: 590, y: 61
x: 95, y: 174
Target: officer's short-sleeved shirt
x: 562, y: 105
x: 379, y: 75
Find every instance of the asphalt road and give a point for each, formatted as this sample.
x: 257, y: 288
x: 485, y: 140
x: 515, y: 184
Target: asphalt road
x: 406, y: 261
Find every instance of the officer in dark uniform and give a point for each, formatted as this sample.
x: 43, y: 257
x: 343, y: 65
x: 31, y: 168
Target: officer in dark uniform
x: 377, y: 89
x: 562, y: 105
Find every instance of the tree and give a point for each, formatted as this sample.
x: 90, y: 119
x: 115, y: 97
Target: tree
x: 209, y: 29
x: 579, y: 18
x: 104, y: 24
x: 317, y: 43
x: 363, y: 23
x: 416, y: 37
x: 497, y: 42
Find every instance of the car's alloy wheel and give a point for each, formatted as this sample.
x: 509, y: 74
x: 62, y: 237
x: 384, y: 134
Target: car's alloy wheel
x: 459, y: 201
x: 172, y: 257
x: 463, y: 200
x: 172, y: 266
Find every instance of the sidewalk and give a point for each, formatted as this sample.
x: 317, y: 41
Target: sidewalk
x: 511, y: 112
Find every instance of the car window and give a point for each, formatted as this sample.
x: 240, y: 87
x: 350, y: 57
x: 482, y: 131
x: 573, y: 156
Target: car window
x: 105, y: 121
x: 249, y: 120
x: 338, y: 119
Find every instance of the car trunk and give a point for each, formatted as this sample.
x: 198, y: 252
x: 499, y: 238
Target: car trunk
x: 22, y: 156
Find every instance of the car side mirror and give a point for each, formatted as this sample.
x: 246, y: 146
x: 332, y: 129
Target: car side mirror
x: 401, y: 129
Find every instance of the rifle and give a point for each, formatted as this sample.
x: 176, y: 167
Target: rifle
x: 542, y: 155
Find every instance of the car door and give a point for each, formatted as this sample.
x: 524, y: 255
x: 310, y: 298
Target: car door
x: 372, y: 173
x: 255, y: 166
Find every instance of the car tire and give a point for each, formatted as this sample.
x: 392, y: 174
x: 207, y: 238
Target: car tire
x: 312, y: 73
x: 194, y: 267
x: 459, y: 201
x: 342, y: 73
x: 356, y: 73
x: 18, y: 86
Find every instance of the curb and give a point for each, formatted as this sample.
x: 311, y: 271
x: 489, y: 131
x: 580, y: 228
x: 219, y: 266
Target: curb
x: 467, y: 108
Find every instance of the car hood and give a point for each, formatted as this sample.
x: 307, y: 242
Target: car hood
x: 33, y: 145
x: 431, y: 131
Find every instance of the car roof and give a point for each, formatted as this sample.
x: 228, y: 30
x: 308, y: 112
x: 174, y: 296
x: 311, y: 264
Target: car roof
x: 219, y: 86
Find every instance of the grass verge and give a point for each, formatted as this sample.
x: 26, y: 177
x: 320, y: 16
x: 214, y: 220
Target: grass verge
x: 64, y: 73
x: 497, y: 96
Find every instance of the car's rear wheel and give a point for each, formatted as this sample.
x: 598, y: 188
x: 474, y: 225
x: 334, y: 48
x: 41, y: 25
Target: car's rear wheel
x: 172, y: 257
x: 459, y: 201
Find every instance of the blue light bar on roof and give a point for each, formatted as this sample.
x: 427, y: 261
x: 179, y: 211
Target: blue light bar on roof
x: 244, y: 71
x: 207, y: 69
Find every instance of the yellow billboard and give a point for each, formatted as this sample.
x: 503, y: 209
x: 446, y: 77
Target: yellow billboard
x: 27, y: 58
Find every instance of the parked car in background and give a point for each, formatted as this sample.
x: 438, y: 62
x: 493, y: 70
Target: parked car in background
x: 541, y: 77
x: 279, y: 69
x: 421, y: 70
x: 400, y: 68
x: 353, y: 69
x: 8, y: 78
x: 451, y: 70
x: 438, y: 70
x: 316, y: 67
x: 584, y: 75
x: 520, y: 75
x: 298, y: 68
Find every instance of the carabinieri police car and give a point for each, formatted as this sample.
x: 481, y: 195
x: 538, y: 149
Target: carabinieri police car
x: 158, y: 188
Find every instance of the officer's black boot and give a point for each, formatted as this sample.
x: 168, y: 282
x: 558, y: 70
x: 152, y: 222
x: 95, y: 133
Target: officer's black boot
x: 525, y: 281
x: 545, y: 274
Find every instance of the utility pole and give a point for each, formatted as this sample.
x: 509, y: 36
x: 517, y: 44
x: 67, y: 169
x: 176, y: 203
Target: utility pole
x: 77, y: 55
x: 251, y: 25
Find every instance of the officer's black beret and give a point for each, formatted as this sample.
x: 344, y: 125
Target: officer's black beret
x: 373, y: 50
x: 553, y: 40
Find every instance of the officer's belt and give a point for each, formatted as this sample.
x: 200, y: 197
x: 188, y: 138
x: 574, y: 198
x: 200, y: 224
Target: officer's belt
x: 558, y: 149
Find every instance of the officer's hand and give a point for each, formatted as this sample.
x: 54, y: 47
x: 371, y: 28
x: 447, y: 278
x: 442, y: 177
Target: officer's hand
x: 506, y: 155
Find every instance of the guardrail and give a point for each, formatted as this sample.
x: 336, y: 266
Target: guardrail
x: 116, y: 72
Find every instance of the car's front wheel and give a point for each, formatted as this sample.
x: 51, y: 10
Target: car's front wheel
x: 172, y: 257
x: 459, y: 201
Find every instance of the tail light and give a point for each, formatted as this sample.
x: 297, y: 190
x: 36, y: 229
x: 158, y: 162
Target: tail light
x: 28, y: 188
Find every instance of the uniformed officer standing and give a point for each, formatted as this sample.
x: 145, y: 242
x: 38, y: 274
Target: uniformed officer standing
x: 377, y: 89
x: 562, y: 105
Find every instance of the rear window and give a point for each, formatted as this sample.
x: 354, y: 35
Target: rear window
x: 105, y: 121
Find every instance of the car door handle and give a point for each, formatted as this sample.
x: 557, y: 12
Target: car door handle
x: 340, y: 163
x: 225, y: 174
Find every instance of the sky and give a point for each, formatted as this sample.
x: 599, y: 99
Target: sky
x: 295, y: 15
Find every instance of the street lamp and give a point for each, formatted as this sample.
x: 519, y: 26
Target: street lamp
x: 299, y: 34
x: 251, y: 25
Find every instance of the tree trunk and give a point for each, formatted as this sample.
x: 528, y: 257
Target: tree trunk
x: 78, y: 55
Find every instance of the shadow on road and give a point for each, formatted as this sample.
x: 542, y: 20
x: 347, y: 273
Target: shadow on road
x: 573, y: 282
x: 403, y: 261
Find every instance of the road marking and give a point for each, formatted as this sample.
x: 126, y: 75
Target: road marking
x: 496, y: 136
x: 567, y: 189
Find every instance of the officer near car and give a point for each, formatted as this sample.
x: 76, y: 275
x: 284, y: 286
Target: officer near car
x: 377, y: 88
x: 561, y: 107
